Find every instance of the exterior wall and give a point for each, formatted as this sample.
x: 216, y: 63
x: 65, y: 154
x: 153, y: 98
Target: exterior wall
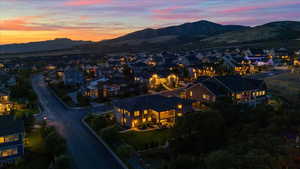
x: 13, y: 145
x: 73, y: 78
x: 133, y: 119
x: 4, y: 98
x: 5, y: 108
x: 195, y: 73
x: 198, y: 92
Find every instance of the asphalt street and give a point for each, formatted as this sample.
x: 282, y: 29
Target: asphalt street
x: 87, y: 152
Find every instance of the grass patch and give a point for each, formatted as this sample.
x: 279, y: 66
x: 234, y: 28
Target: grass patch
x: 36, y: 156
x: 146, y: 139
x: 286, y: 85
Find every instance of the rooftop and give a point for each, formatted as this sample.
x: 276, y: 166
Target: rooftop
x: 10, y: 125
x: 156, y: 102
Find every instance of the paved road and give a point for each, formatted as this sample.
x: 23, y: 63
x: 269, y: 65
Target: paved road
x: 86, y: 150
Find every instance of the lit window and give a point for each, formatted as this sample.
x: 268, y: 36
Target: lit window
x: 145, y: 112
x: 11, y: 138
x: 263, y: 92
x: 179, y: 114
x: 206, y: 97
x: 179, y: 106
x: 191, y: 93
x: 1, y: 139
x: 149, y: 118
x: 144, y: 120
x: 136, y: 113
x: 8, y: 152
x: 238, y: 96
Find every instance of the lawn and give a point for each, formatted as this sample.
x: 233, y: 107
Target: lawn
x: 35, y: 156
x: 285, y: 85
x: 146, y: 139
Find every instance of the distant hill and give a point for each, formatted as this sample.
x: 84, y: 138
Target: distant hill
x: 200, y: 29
x: 56, y: 44
x: 205, y: 34
x: 285, y: 30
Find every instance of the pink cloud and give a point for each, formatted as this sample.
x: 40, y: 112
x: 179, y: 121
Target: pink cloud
x: 259, y: 6
x: 175, y: 13
x: 20, y: 23
x: 85, y: 2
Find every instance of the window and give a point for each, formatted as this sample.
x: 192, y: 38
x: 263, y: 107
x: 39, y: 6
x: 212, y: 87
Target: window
x: 136, y: 113
x: 238, y: 96
x: 1, y: 140
x: 145, y: 112
x: 263, y: 93
x: 205, y: 96
x: 144, y: 120
x: 191, y: 93
x: 8, y: 152
x: 149, y: 118
x: 179, y: 106
x: 11, y: 138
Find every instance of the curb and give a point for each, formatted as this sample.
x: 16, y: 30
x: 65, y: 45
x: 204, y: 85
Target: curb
x: 104, y: 143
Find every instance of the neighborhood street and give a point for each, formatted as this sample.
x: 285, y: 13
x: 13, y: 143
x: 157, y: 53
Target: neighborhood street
x: 87, y: 152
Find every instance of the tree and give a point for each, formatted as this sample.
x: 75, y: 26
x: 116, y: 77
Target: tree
x: 198, y: 132
x: 62, y: 162
x: 128, y: 72
x: 220, y: 160
x: 185, y: 162
x: 125, y: 150
x: 83, y: 100
x: 54, y: 142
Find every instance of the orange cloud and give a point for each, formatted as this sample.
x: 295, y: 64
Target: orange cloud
x: 20, y: 23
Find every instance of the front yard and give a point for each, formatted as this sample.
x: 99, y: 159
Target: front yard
x: 127, y: 144
x: 285, y: 85
x: 36, y: 155
x: 142, y: 140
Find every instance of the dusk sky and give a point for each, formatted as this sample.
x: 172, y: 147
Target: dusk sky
x: 36, y: 20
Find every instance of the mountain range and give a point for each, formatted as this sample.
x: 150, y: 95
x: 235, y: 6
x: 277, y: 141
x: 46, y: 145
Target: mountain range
x: 196, y: 34
x: 56, y: 44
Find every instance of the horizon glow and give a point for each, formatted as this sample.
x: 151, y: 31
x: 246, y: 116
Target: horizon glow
x: 95, y: 20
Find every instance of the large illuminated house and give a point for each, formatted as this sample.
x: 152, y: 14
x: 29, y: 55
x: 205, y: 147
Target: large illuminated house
x: 11, y: 139
x: 197, y: 71
x: 162, y: 78
x: 154, y: 109
x: 240, y: 89
x: 5, y: 105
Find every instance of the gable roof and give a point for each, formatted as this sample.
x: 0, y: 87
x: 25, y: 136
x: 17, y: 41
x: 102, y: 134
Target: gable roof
x: 155, y: 102
x: 216, y: 88
x: 239, y: 84
x: 10, y: 125
x: 3, y: 93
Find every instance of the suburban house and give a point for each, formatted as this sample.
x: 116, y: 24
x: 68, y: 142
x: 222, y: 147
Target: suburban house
x: 240, y: 89
x: 11, y: 139
x: 260, y: 60
x: 5, y: 105
x: 163, y: 78
x: 209, y: 89
x: 201, y: 70
x: 297, y: 62
x: 73, y: 77
x: 237, y: 64
x: 154, y: 109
